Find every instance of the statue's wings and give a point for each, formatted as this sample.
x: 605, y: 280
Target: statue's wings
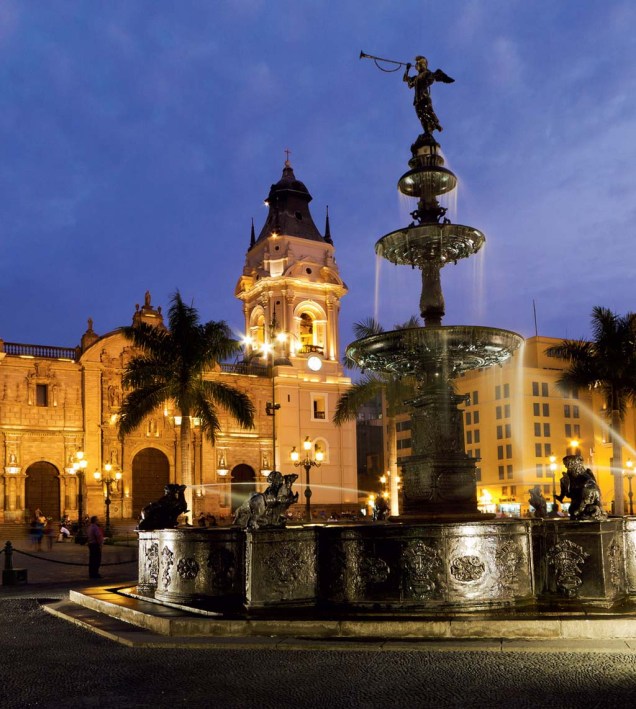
x: 439, y: 75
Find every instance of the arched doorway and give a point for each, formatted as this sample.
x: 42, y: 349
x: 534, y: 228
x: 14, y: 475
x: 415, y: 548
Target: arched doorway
x: 150, y: 474
x: 243, y: 484
x: 42, y: 490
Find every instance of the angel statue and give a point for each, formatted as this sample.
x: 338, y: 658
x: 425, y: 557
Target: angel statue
x: 422, y: 83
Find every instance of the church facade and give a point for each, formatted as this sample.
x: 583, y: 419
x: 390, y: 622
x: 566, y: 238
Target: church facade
x: 56, y: 402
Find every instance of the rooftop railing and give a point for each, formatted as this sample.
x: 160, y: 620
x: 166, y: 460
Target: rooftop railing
x: 17, y: 349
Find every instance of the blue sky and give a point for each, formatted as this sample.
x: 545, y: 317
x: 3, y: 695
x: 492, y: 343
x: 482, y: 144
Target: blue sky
x: 139, y: 137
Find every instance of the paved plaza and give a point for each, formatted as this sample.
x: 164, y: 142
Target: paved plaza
x: 50, y: 663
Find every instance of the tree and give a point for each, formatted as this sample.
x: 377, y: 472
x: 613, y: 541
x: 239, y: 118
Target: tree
x: 608, y: 364
x: 171, y: 368
x: 392, y: 389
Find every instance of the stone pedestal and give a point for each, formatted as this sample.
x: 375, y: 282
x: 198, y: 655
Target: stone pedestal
x: 281, y: 567
x: 196, y: 564
x: 581, y: 562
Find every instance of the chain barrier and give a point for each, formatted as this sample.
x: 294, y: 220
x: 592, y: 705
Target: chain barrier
x: 72, y: 563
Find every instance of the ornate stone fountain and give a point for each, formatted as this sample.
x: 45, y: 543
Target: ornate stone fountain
x: 442, y: 556
x: 439, y: 478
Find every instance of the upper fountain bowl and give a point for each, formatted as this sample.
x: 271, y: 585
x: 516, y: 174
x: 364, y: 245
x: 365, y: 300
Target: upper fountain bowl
x: 430, y: 180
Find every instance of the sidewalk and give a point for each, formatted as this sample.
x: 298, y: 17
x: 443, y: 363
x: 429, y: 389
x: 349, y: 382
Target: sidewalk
x: 53, y: 573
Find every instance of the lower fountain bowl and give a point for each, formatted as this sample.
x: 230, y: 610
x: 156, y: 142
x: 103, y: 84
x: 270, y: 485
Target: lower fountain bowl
x: 449, y: 349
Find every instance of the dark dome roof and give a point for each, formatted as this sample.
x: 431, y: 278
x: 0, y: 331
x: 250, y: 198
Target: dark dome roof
x: 289, y: 214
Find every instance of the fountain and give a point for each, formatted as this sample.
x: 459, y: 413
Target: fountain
x: 439, y: 478
x: 442, y: 559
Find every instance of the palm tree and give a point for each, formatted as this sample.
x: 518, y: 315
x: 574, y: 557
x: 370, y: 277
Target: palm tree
x: 171, y: 368
x: 607, y: 363
x: 391, y: 388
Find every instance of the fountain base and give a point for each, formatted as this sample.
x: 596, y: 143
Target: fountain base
x: 425, y: 567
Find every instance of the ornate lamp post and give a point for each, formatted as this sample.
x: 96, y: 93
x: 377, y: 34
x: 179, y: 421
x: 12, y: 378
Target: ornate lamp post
x: 108, y: 481
x: 307, y: 463
x: 79, y: 466
x: 629, y: 475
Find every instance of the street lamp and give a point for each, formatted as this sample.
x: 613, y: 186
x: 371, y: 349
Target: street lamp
x: 307, y: 463
x: 629, y: 475
x: 79, y: 466
x: 108, y: 482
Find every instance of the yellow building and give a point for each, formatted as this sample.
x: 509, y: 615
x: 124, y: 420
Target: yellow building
x: 57, y: 401
x: 515, y: 418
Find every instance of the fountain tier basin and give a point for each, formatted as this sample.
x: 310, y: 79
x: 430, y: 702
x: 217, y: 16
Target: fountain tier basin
x: 424, y: 350
x: 429, y: 181
x: 419, y: 245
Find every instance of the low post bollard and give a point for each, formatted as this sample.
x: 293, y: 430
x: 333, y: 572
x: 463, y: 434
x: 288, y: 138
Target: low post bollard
x: 11, y: 576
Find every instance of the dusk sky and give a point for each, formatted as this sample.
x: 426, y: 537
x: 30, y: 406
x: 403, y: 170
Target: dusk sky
x: 139, y: 137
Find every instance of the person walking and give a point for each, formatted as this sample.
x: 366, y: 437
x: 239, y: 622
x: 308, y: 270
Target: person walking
x: 95, y: 539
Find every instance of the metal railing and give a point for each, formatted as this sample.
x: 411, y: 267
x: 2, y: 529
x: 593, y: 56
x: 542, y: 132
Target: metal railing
x: 256, y: 370
x: 18, y: 349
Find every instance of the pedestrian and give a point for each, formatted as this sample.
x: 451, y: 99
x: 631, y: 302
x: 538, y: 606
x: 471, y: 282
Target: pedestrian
x: 95, y: 539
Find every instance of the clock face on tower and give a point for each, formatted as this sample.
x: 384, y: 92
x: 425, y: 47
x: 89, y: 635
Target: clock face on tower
x: 314, y: 363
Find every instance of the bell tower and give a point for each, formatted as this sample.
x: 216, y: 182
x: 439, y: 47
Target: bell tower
x: 291, y: 290
x: 290, y: 285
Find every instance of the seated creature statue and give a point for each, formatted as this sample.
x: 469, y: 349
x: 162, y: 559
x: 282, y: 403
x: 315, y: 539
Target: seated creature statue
x: 579, y: 484
x: 163, y: 513
x: 268, y: 508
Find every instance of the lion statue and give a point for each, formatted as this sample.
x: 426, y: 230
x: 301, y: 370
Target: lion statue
x: 163, y: 513
x: 268, y: 508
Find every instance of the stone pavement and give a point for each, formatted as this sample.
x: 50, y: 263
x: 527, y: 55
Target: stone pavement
x: 47, y: 662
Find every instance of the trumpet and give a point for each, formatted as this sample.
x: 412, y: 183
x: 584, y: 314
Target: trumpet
x: 380, y: 59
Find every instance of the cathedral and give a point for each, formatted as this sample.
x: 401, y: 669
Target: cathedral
x: 59, y: 406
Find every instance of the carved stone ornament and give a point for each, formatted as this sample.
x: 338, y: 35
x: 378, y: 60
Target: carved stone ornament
x: 421, y: 567
x: 152, y: 562
x: 615, y: 563
x: 167, y: 557
x: 286, y: 565
x: 508, y: 560
x: 467, y: 568
x: 188, y: 568
x: 373, y: 570
x: 567, y: 558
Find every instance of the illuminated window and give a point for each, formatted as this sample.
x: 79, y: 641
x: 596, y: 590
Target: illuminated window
x: 318, y: 407
x: 306, y: 329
